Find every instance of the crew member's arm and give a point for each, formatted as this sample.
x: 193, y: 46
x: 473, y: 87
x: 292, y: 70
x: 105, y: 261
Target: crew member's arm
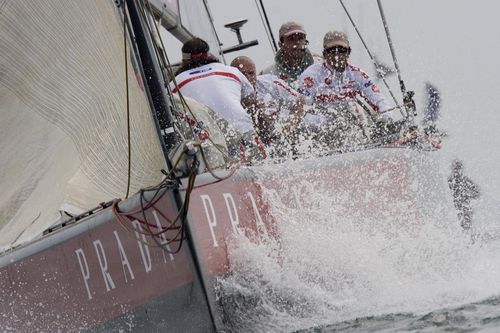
x: 291, y: 100
x: 308, y: 88
x: 250, y: 103
x: 248, y: 95
x: 296, y: 116
x: 371, y: 93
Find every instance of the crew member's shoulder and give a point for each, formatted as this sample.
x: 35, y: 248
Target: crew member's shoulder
x: 271, y: 69
x: 217, y: 66
x: 271, y: 79
x: 266, y: 77
x: 214, y: 67
x: 356, y: 71
x: 317, y: 58
x: 198, y: 70
x: 313, y: 70
x: 228, y: 71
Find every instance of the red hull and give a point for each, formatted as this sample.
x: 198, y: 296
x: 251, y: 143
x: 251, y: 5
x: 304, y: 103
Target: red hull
x: 88, y: 274
x: 99, y: 275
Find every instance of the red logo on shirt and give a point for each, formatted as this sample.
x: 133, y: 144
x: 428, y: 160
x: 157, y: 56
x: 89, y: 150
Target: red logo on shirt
x: 328, y: 81
x: 375, y: 89
x: 203, y: 135
x: 357, y: 69
x: 308, y: 82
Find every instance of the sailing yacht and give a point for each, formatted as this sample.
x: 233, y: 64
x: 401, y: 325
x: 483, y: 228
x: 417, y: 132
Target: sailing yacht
x: 86, y: 120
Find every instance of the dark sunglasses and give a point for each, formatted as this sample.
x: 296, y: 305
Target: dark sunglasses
x: 338, y: 49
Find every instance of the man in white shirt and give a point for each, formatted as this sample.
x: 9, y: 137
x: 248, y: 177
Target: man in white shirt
x: 280, y: 108
x: 222, y: 88
x: 293, y: 57
x: 334, y: 84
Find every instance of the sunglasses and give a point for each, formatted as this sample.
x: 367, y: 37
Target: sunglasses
x: 338, y: 49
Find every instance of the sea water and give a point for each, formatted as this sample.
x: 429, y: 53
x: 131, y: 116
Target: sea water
x: 330, y: 273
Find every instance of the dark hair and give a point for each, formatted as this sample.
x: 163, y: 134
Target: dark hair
x: 194, y: 46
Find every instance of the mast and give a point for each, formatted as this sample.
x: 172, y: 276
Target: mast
x: 152, y: 75
x: 267, y: 25
x: 164, y: 124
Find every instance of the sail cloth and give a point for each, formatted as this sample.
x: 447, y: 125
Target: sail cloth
x: 63, y: 114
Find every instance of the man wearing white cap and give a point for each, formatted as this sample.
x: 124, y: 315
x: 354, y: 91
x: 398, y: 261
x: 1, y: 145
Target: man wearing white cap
x: 334, y: 83
x: 293, y: 57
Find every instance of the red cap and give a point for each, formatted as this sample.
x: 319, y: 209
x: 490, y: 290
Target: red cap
x: 290, y: 28
x: 335, y: 38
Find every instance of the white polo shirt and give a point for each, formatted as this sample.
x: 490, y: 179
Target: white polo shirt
x: 275, y: 94
x: 324, y: 87
x: 219, y: 87
x: 279, y: 97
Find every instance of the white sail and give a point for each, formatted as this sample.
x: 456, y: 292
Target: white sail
x: 63, y: 114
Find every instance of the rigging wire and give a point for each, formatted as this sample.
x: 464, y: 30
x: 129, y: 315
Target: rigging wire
x: 391, y: 47
x: 182, y: 214
x: 127, y: 100
x: 207, y: 9
x: 267, y: 26
x: 369, y: 52
x: 407, y: 95
x: 182, y: 208
x: 183, y: 231
x: 125, y: 218
x: 165, y: 64
x: 163, y: 58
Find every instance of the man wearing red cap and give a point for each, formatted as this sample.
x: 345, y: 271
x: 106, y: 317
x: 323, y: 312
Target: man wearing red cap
x: 293, y: 57
x: 333, y: 85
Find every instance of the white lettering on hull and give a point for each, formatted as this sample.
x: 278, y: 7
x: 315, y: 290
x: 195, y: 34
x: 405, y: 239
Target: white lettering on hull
x: 232, y: 204
x: 211, y: 217
x: 82, y: 260
x: 233, y: 212
x: 142, y: 241
x: 163, y: 238
x: 258, y: 219
x: 123, y: 258
x: 103, y: 263
x: 297, y: 195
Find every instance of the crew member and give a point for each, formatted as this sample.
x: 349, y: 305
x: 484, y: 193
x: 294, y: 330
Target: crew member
x: 334, y: 82
x: 293, y: 56
x: 222, y: 88
x: 333, y: 85
x: 280, y: 108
